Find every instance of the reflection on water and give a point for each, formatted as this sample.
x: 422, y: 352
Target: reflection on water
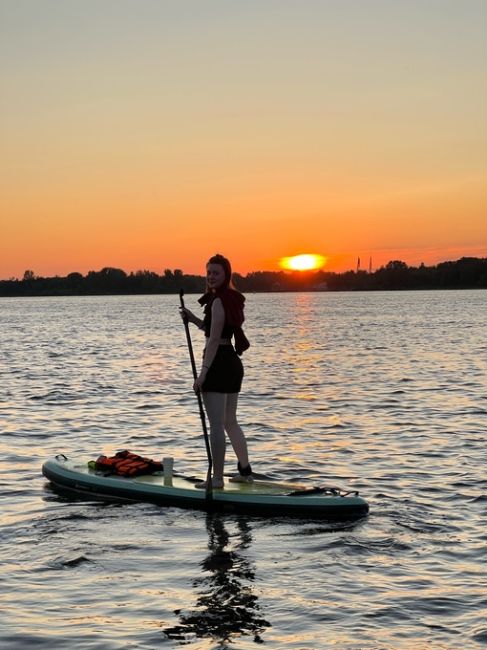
x: 226, y: 606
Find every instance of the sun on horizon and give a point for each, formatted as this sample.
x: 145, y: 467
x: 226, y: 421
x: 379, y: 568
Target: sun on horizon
x: 303, y: 262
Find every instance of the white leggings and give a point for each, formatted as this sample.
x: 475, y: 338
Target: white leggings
x: 221, y: 409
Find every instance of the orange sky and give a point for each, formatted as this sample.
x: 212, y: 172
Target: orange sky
x: 152, y: 135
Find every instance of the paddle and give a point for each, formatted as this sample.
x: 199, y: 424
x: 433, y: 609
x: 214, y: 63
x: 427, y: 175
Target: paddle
x: 209, y: 493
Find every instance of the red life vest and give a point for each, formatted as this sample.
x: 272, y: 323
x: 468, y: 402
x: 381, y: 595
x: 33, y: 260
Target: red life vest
x: 125, y: 463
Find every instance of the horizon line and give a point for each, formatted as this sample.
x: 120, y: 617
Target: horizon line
x: 276, y: 272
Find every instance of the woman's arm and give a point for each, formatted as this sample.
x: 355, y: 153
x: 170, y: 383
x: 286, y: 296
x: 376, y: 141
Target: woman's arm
x: 217, y: 323
x: 186, y: 313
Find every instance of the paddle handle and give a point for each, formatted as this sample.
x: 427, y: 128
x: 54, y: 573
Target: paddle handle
x: 188, y: 336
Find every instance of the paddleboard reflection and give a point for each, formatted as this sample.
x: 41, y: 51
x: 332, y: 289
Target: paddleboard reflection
x: 226, y: 606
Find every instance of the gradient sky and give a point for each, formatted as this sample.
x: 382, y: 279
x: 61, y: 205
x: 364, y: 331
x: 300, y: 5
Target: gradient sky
x: 150, y: 134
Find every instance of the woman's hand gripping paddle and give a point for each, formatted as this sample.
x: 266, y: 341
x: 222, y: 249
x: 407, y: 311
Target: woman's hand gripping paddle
x: 209, y: 486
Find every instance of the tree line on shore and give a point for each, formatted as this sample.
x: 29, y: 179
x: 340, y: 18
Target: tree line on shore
x: 465, y: 273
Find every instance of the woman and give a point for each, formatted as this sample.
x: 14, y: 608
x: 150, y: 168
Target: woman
x: 220, y: 378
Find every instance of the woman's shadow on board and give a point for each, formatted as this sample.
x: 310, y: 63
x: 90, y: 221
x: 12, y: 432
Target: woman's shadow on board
x: 226, y: 606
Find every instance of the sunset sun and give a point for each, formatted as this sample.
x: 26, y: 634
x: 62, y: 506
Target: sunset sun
x: 305, y: 262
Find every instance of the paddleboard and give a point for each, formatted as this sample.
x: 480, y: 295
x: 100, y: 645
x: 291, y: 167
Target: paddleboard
x: 257, y: 498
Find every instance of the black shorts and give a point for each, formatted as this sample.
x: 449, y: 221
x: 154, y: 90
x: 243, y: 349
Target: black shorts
x: 225, y: 373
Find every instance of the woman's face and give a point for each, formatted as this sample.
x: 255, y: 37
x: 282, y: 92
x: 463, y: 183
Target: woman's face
x: 215, y: 275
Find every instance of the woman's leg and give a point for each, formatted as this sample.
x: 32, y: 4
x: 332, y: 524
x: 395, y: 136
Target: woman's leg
x: 215, y: 409
x: 234, y: 431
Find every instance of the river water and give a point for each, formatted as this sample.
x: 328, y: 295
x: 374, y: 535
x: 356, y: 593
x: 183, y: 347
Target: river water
x: 380, y: 392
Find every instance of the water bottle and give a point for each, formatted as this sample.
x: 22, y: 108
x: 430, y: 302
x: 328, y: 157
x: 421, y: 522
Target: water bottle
x: 168, y: 464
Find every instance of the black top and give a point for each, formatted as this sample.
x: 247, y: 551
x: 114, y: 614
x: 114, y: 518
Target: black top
x: 233, y: 305
x: 228, y: 330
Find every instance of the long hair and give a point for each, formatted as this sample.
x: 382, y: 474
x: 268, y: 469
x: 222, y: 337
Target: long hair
x: 227, y: 267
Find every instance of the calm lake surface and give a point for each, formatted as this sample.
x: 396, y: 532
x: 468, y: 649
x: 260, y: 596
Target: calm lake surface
x: 380, y: 392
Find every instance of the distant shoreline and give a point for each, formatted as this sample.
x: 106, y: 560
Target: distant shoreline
x: 465, y: 273
x: 198, y: 293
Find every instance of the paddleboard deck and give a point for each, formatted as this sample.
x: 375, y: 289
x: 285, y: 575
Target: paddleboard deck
x: 257, y: 498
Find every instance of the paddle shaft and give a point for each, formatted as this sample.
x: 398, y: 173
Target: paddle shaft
x: 200, y: 401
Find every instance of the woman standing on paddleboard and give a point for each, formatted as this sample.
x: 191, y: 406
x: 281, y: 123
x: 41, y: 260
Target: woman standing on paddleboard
x: 220, y: 378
